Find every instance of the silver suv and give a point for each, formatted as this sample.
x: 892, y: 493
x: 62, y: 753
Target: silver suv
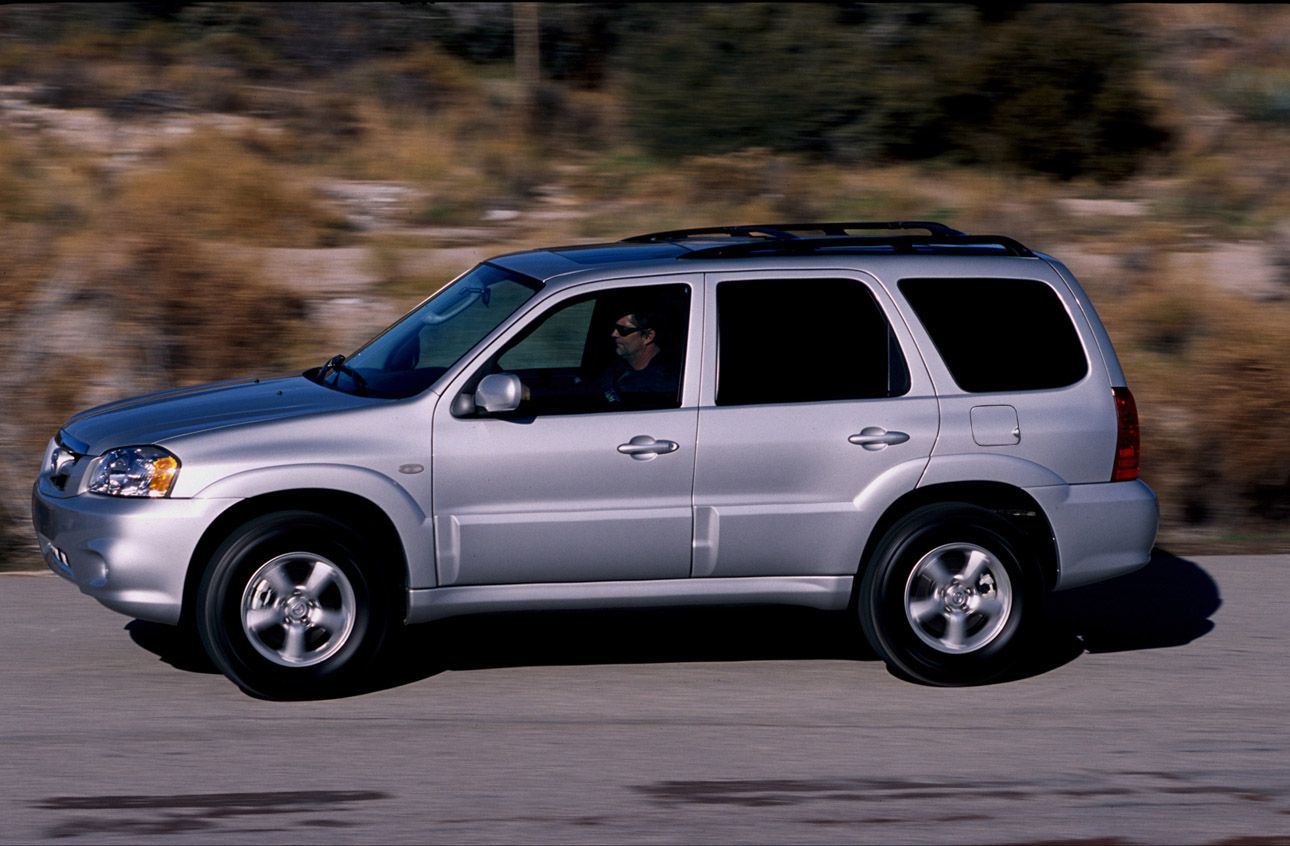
x: 927, y: 428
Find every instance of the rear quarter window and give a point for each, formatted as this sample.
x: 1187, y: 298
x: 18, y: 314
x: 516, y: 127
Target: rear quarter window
x: 999, y: 334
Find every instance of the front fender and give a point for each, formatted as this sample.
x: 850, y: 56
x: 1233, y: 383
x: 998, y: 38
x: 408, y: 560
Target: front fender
x: 410, y: 521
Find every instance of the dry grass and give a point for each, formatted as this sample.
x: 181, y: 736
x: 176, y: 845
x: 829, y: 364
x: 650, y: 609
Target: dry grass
x: 216, y: 188
x: 1209, y: 372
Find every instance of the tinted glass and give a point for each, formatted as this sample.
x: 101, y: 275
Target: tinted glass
x: 407, y: 357
x: 804, y: 340
x: 999, y: 334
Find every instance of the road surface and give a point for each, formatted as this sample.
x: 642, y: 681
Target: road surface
x: 1156, y: 712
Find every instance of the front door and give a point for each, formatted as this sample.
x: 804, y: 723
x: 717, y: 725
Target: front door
x: 590, y: 479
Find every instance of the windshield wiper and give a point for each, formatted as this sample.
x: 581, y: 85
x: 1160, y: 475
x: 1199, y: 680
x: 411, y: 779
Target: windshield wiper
x: 337, y: 364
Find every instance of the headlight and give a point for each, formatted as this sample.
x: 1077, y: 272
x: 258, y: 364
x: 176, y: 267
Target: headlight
x: 135, y: 471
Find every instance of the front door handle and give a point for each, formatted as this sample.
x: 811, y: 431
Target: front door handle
x: 874, y: 438
x: 645, y: 448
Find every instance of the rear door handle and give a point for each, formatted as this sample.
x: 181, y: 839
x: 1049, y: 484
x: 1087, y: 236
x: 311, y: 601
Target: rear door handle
x: 644, y: 448
x: 874, y: 438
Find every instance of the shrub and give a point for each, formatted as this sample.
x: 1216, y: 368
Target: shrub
x: 423, y: 79
x: 1259, y: 94
x: 214, y: 187
x: 1047, y: 88
x: 198, y: 313
x: 1208, y: 371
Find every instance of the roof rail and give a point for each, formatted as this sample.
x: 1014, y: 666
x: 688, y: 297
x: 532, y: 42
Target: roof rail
x: 902, y: 244
x: 785, y: 231
x: 772, y: 232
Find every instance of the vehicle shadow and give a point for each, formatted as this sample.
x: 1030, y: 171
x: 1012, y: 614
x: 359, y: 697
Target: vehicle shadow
x: 625, y: 636
x: 1165, y: 604
x: 177, y: 646
x: 548, y: 638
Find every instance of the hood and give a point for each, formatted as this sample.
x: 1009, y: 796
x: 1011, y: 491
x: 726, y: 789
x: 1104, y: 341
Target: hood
x: 156, y: 418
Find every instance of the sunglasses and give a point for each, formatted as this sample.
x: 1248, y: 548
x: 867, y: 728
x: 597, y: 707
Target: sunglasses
x: 624, y: 331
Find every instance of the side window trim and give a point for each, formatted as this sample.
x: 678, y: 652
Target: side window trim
x: 688, y: 326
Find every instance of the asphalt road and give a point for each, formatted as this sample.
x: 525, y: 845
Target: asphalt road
x: 1156, y: 712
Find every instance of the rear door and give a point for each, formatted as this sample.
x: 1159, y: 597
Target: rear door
x: 813, y: 399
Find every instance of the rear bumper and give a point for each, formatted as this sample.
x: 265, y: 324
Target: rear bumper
x: 131, y: 555
x: 1102, y: 531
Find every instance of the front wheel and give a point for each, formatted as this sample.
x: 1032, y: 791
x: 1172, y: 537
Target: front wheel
x: 293, y: 606
x: 946, y: 598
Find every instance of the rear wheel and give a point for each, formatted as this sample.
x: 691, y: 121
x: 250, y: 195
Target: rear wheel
x: 293, y: 606
x: 946, y: 598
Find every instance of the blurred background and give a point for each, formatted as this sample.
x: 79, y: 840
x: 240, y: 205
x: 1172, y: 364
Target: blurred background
x: 194, y: 191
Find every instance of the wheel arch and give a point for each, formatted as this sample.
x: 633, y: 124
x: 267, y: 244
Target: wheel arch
x: 1013, y: 504
x: 355, y: 511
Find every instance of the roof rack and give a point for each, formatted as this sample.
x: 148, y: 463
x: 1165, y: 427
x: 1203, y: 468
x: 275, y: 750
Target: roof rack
x: 785, y: 231
x: 959, y: 244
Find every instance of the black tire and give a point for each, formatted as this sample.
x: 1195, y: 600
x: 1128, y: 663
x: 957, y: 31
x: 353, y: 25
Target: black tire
x: 293, y: 606
x: 947, y: 598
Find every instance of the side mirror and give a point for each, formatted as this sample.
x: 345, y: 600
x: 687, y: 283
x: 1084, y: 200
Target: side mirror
x: 499, y: 393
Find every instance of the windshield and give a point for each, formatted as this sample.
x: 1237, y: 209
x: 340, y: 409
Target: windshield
x: 409, y: 356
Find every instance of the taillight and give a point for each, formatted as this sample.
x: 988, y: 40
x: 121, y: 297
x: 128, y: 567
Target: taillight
x: 1128, y: 441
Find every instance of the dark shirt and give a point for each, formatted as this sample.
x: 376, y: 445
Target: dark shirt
x: 652, y: 386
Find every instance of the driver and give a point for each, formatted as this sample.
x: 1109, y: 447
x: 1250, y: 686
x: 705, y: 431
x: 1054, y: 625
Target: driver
x: 640, y: 372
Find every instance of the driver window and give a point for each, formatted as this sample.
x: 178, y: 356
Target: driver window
x: 557, y: 342
x: 615, y: 350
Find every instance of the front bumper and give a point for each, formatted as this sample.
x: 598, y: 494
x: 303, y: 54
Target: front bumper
x: 1102, y: 531
x: 130, y: 554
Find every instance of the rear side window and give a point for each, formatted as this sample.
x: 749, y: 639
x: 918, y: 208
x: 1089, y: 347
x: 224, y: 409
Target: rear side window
x: 804, y: 340
x: 999, y: 334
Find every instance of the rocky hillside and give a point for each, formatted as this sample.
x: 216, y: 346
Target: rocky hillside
x: 186, y: 199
